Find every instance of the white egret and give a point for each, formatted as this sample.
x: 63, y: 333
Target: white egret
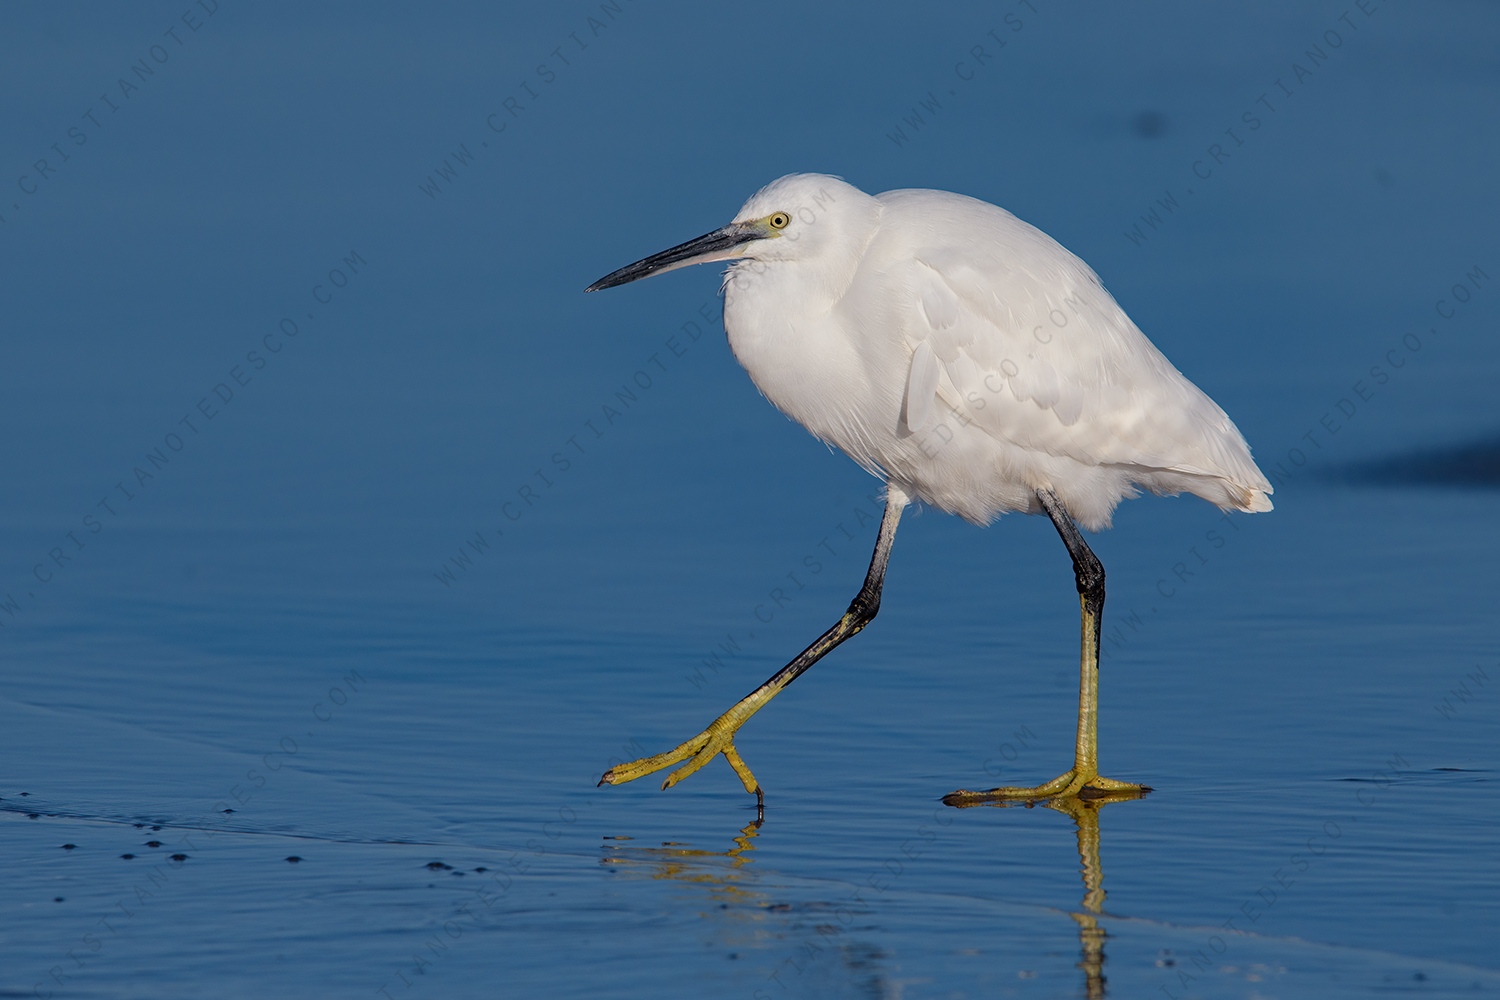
x: 973, y: 364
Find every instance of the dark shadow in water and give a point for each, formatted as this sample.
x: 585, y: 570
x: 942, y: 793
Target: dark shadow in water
x: 1091, y: 936
x: 1476, y: 464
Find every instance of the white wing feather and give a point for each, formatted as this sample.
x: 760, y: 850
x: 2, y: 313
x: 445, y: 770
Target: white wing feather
x: 922, y: 388
x: 1046, y: 359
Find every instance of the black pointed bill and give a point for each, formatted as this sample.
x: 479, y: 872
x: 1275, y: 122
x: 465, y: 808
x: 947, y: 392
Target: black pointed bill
x: 721, y: 244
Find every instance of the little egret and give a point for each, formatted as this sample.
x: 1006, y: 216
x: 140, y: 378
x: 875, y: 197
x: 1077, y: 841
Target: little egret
x: 973, y: 364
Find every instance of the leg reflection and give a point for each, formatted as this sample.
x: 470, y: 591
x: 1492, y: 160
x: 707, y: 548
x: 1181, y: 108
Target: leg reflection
x: 719, y: 870
x: 1091, y: 936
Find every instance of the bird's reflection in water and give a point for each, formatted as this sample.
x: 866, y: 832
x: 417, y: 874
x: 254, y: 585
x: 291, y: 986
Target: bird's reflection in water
x: 792, y: 935
x: 684, y: 863
x: 1085, y: 816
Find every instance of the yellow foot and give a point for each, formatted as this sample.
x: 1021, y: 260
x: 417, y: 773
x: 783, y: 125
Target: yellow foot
x: 1073, y: 784
x: 716, y: 739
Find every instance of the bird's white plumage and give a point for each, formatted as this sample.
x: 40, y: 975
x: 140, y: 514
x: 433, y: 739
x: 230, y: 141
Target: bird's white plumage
x: 968, y: 358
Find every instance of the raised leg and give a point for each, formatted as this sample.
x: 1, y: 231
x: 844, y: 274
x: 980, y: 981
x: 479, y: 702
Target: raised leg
x: 719, y: 736
x: 1084, y: 779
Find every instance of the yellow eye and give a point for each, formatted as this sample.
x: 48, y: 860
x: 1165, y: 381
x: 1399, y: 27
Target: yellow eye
x: 780, y: 220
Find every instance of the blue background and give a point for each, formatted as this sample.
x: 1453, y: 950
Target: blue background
x: 321, y: 613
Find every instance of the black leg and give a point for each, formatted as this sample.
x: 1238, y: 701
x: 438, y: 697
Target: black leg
x: 719, y: 736
x: 1088, y: 571
x: 1083, y: 780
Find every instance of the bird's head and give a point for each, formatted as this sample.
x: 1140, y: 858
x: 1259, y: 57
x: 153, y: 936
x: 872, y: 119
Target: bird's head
x: 798, y: 217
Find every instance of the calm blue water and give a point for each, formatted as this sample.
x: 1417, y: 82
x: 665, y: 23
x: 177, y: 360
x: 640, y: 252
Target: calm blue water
x: 271, y: 632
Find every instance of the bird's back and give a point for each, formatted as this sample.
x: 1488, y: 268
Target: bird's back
x: 984, y: 361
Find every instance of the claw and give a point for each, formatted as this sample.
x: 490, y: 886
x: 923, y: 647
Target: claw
x: 743, y: 770
x: 701, y: 749
x: 1068, y: 785
x: 702, y: 757
x: 621, y: 773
